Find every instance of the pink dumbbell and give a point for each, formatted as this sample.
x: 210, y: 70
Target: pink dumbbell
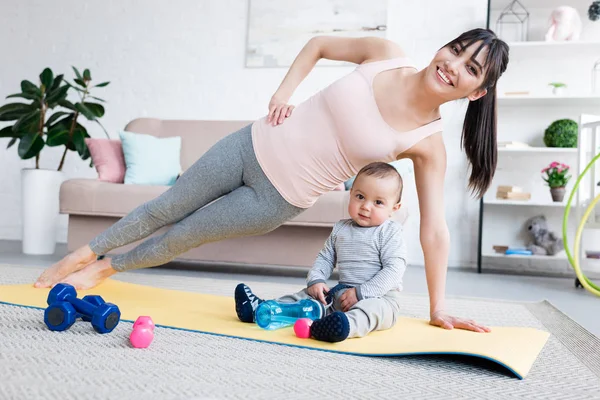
x: 142, y: 333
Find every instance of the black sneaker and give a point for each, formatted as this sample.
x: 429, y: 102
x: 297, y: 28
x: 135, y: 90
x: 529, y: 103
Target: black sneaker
x: 333, y: 328
x: 245, y: 303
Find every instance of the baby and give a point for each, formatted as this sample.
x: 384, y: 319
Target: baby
x: 370, y: 254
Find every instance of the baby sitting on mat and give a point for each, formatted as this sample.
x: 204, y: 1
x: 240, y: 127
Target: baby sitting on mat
x: 370, y: 254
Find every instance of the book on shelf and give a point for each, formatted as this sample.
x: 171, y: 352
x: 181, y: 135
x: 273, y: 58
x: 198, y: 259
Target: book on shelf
x: 513, y: 196
x: 508, y: 250
x: 518, y: 251
x: 592, y: 254
x: 509, y: 189
x: 513, y: 145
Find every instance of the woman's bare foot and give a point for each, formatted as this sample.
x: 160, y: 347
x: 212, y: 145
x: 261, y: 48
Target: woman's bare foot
x: 73, y: 262
x: 91, y: 275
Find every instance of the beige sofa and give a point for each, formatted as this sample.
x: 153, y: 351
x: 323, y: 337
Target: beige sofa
x: 93, y: 206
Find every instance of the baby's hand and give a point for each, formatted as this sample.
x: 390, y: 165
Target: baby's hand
x: 317, y: 291
x: 348, y: 299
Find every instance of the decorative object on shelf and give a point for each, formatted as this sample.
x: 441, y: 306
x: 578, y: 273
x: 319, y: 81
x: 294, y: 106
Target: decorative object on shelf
x: 557, y: 178
x: 37, y: 126
x: 512, y: 193
x: 561, y: 133
x: 596, y: 77
x: 542, y: 241
x: 565, y: 25
x: 594, y: 11
x: 558, y: 88
x: 513, y: 22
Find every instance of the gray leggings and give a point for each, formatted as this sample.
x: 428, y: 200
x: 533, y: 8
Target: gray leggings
x: 246, y: 204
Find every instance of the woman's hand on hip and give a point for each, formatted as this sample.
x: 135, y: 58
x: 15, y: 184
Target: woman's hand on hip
x: 446, y: 321
x: 279, y: 110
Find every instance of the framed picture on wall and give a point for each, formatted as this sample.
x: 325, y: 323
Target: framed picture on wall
x: 277, y: 30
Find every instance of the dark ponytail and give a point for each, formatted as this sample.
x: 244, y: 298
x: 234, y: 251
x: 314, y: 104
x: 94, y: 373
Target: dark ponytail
x: 479, y: 128
x: 479, y: 141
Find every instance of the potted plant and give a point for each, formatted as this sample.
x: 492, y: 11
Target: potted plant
x: 558, y: 88
x: 556, y: 176
x: 561, y: 133
x: 36, y: 125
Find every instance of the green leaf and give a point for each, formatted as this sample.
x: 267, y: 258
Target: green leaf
x: 28, y: 87
x: 95, y: 108
x: 55, y: 117
x: 76, y: 88
x: 67, y: 104
x: 59, y: 94
x: 79, y: 141
x: 47, y: 78
x: 86, y: 75
x: 28, y: 123
x: 86, y: 112
x: 80, y: 82
x: 57, y: 137
x: 97, y: 98
x: 7, y: 132
x: 30, y: 145
x: 29, y: 96
x: 13, y: 141
x: 14, y: 111
x: 77, y: 74
x: 102, y: 84
x: 57, y: 81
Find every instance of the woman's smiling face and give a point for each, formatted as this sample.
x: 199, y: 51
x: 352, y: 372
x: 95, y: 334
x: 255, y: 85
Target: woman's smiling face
x: 457, y: 72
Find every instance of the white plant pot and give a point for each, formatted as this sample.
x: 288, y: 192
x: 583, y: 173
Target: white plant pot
x: 40, y: 194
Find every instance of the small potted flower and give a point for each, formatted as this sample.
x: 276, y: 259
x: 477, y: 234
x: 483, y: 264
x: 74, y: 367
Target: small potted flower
x: 558, y: 88
x: 556, y: 176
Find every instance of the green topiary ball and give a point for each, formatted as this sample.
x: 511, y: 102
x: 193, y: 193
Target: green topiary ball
x: 594, y: 11
x: 561, y: 133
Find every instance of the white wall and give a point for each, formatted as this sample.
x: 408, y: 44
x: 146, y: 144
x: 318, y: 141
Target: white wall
x: 184, y: 59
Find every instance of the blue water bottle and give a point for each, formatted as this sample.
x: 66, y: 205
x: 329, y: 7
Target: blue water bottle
x: 272, y: 314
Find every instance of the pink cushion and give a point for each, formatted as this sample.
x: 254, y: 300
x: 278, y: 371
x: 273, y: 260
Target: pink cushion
x: 107, y: 156
x: 340, y: 187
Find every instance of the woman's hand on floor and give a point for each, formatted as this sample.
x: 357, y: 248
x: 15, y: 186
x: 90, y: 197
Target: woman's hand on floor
x: 279, y: 110
x: 446, y: 321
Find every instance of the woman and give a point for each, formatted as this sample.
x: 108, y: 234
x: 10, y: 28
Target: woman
x: 272, y: 170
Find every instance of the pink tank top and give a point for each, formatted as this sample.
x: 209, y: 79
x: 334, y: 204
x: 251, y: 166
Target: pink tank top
x: 331, y: 136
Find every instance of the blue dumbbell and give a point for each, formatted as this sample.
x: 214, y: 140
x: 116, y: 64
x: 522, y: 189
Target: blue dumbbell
x: 64, y: 308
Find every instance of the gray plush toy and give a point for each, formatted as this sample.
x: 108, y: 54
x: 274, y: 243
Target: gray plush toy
x: 541, y: 240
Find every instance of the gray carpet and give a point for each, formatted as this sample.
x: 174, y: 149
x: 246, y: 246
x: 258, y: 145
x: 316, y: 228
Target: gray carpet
x: 81, y: 364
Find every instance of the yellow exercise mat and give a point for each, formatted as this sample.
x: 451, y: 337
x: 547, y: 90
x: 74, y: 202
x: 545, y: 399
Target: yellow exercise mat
x: 513, y: 348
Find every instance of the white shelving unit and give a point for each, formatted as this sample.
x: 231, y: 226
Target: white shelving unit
x: 525, y: 203
x: 583, y: 100
x: 526, y: 106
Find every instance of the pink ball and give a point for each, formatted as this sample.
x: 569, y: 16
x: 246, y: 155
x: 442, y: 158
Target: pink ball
x: 302, y: 328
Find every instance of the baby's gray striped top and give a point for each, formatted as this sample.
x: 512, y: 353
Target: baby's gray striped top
x: 372, y: 259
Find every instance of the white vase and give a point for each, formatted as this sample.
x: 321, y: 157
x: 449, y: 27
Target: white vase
x: 40, y: 200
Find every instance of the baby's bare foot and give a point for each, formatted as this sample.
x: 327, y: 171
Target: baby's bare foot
x: 91, y: 275
x: 73, y: 262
